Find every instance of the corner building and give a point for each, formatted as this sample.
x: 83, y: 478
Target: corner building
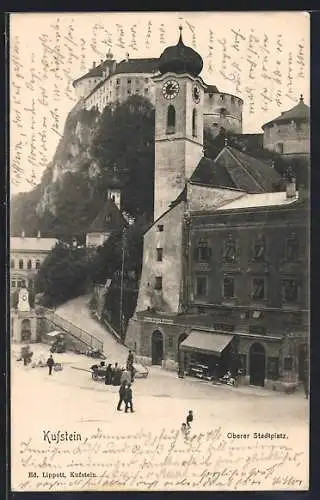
x: 222, y: 278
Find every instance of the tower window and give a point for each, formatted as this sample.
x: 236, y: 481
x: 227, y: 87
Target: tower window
x: 38, y: 264
x: 194, y: 123
x: 160, y: 228
x: 29, y: 264
x: 171, y: 120
x: 20, y: 264
x: 12, y: 264
x: 279, y: 147
x: 159, y: 254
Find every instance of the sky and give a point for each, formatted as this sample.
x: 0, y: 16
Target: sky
x: 262, y: 57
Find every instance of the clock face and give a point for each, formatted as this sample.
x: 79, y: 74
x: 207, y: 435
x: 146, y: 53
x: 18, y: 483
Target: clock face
x: 196, y: 94
x: 170, y: 89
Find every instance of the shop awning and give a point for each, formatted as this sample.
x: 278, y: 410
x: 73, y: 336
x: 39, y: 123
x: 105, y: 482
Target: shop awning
x: 206, y: 342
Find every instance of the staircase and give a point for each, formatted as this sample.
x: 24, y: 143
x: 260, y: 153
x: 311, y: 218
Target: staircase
x: 90, y: 341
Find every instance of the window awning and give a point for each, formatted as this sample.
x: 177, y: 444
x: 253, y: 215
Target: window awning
x: 206, y: 342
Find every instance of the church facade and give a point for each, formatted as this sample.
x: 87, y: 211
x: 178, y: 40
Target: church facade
x: 203, y: 295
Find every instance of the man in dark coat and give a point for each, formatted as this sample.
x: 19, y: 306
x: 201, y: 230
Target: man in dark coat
x: 189, y: 419
x: 50, y: 363
x: 129, y: 360
x: 107, y: 380
x: 128, y: 398
x: 121, y: 395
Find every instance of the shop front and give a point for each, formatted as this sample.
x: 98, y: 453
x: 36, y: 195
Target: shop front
x: 205, y: 354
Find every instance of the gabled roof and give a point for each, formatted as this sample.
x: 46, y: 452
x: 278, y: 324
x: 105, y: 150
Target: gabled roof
x: 108, y: 219
x: 25, y: 244
x: 247, y: 173
x: 145, y: 65
x: 210, y: 173
x: 299, y: 112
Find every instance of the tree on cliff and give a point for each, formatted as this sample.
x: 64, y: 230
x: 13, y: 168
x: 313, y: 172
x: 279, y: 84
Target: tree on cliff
x: 63, y: 274
x: 123, y: 143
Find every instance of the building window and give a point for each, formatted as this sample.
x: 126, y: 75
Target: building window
x: 146, y: 90
x: 171, y: 120
x: 129, y: 92
x: 259, y: 249
x: 160, y: 228
x: 292, y: 248
x: 118, y: 81
x: 12, y: 264
x: 223, y: 112
x: 20, y: 264
x: 287, y: 364
x: 158, y: 283
x: 159, y: 254
x: 194, y: 123
x: 170, y: 341
x: 258, y: 289
x: 146, y: 79
x: 129, y: 81
x: 289, y: 289
x: 222, y: 98
x: 19, y: 283
x: 228, y: 288
x: 279, y: 148
x: 230, y: 249
x: 29, y: 264
x: 13, y: 283
x: 137, y: 91
x: 203, y: 251
x: 201, y: 286
x: 37, y: 264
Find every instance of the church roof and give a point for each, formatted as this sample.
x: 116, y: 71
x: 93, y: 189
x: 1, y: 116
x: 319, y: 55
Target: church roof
x: 236, y: 170
x: 180, y: 59
x: 260, y: 200
x: 108, y: 219
x: 299, y: 112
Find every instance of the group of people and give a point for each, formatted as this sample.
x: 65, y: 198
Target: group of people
x: 125, y: 395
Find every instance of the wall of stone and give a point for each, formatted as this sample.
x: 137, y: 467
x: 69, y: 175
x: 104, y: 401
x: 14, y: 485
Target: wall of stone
x: 294, y: 138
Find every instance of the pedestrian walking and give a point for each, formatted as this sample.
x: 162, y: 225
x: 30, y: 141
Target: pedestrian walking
x: 189, y: 419
x: 130, y: 359
x: 125, y: 376
x: 128, y: 398
x: 50, y: 364
x: 108, y: 377
x: 121, y: 395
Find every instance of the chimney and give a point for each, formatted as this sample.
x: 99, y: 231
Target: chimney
x: 127, y: 56
x: 291, y: 188
x: 94, y: 64
x: 38, y: 235
x: 22, y: 234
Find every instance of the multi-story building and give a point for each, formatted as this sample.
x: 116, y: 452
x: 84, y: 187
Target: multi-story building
x: 111, y: 82
x: 26, y: 257
x: 224, y: 263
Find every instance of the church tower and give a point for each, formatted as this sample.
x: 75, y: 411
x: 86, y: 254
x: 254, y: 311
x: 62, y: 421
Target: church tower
x: 179, y: 96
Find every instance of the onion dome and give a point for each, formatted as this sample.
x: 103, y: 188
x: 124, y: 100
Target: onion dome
x: 180, y: 59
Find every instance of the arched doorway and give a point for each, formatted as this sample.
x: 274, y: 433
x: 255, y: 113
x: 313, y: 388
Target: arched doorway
x: 25, y: 330
x: 157, y: 348
x: 257, y: 364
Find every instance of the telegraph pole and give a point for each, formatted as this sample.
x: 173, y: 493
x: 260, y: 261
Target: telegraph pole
x: 122, y: 273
